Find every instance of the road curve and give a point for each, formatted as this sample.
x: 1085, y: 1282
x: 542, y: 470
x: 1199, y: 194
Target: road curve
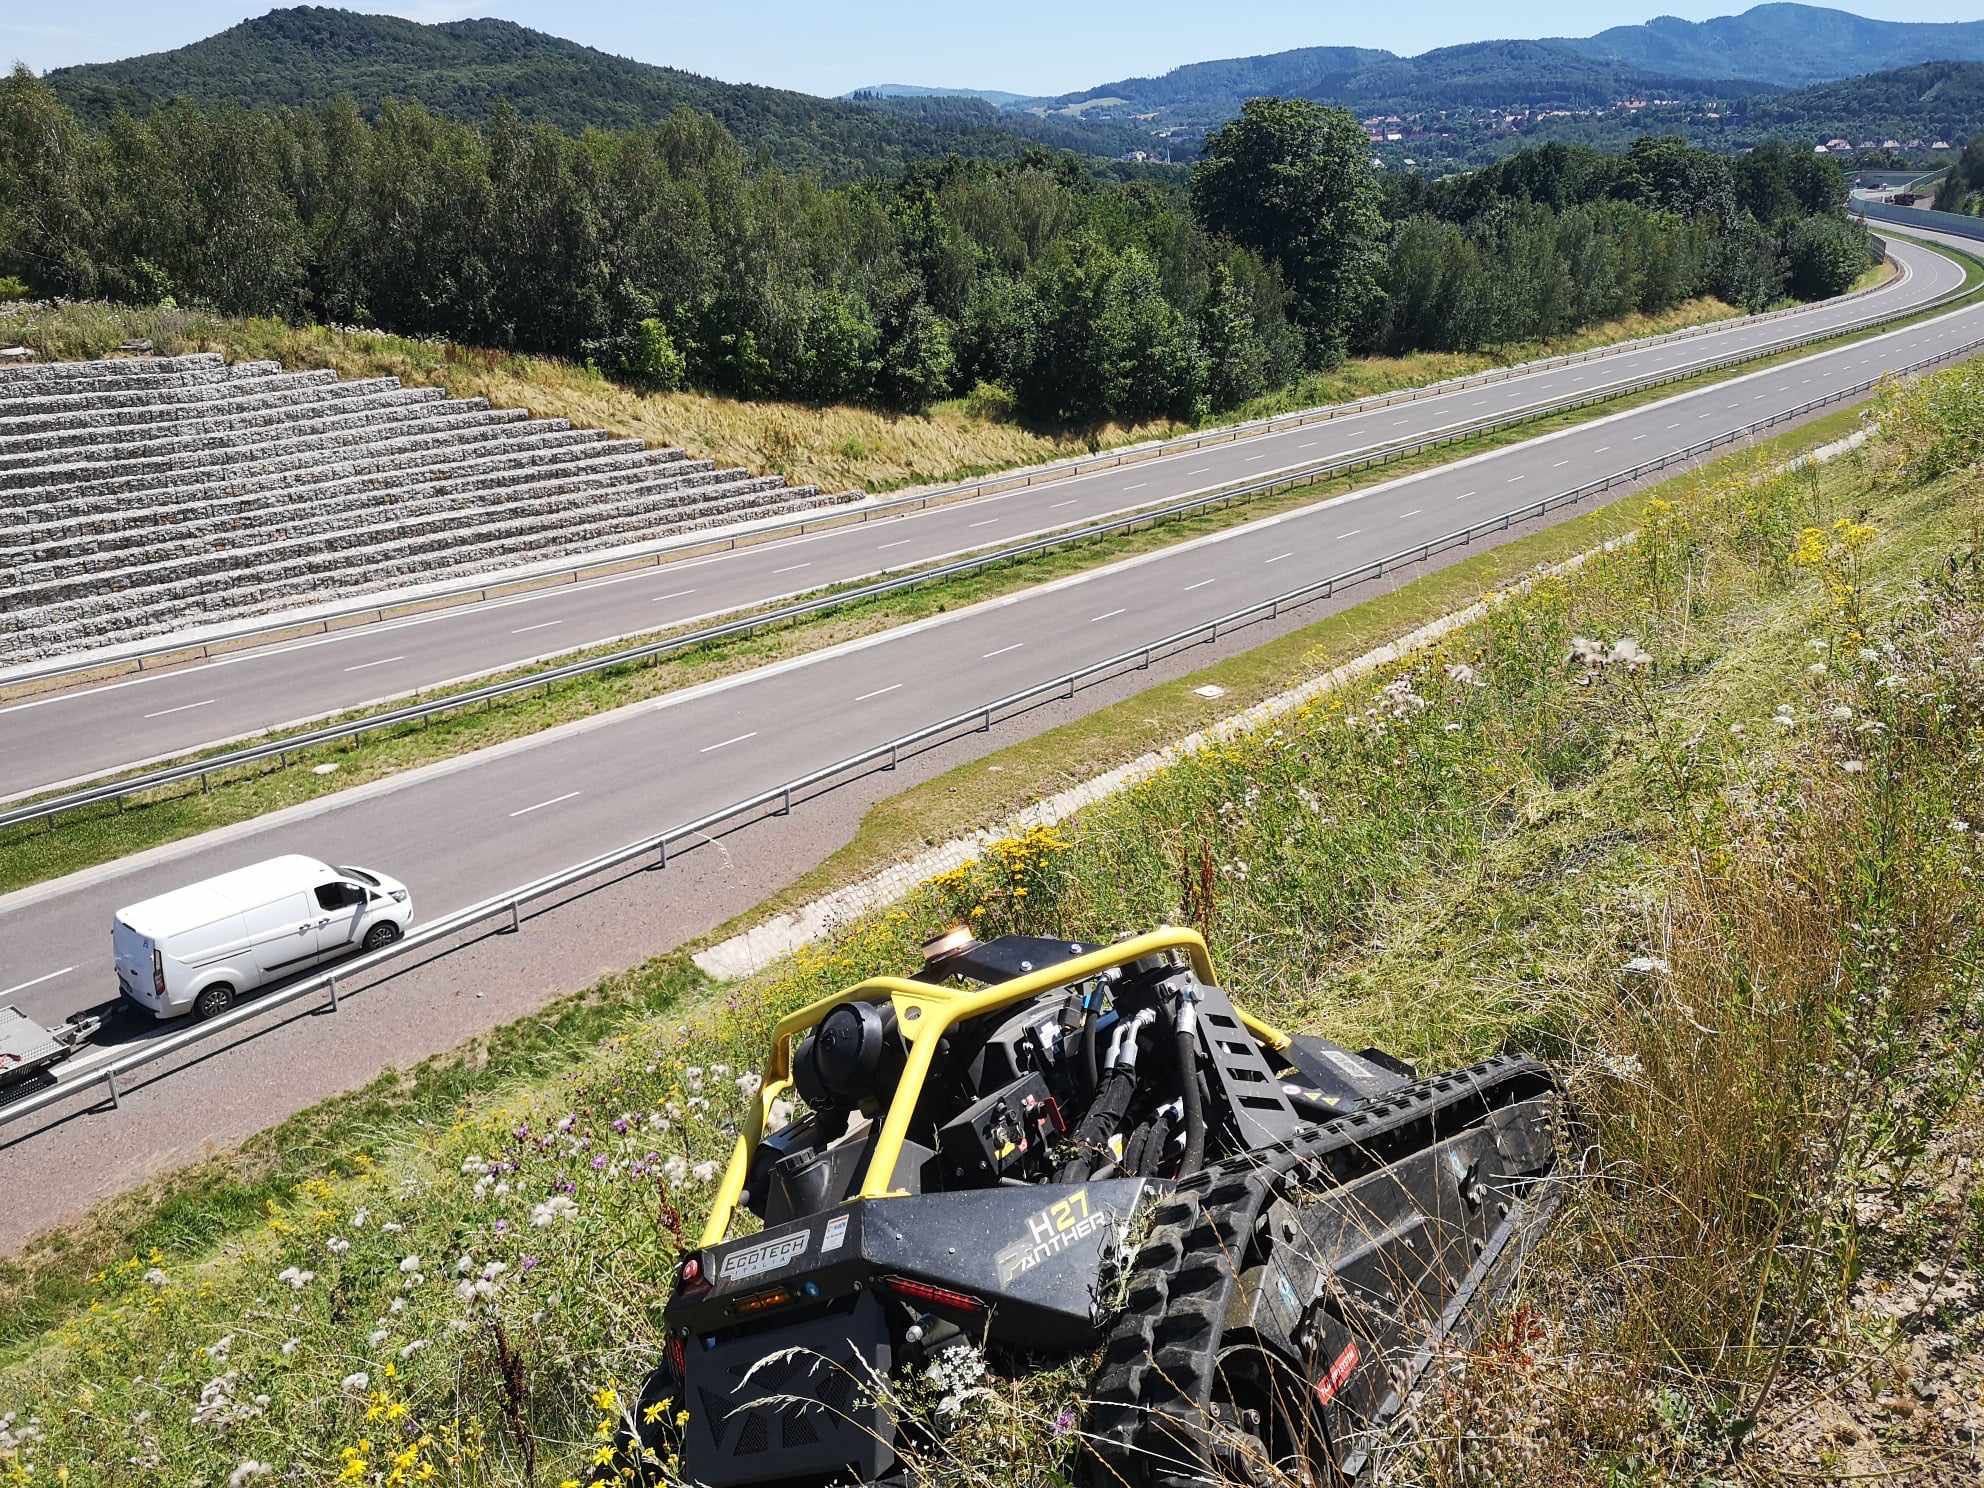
x: 471, y: 827
x: 84, y: 731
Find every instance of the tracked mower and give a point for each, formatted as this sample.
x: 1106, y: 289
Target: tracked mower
x: 1041, y: 1148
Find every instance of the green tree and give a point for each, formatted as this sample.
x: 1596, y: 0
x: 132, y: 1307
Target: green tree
x: 1290, y: 179
x: 1823, y: 256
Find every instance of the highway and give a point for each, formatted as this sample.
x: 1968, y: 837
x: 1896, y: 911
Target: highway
x: 475, y: 826
x: 63, y: 737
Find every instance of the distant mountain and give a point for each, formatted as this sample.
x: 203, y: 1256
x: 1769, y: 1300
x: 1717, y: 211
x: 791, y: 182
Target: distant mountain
x: 466, y: 69
x: 1936, y: 100
x: 1764, y: 49
x: 992, y: 96
x: 1782, y: 43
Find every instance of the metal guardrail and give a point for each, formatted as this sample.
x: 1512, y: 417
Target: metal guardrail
x: 1301, y: 474
x: 827, y: 519
x: 780, y: 799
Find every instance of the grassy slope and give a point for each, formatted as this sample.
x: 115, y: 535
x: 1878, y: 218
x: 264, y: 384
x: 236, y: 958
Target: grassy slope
x: 1443, y: 861
x: 834, y: 448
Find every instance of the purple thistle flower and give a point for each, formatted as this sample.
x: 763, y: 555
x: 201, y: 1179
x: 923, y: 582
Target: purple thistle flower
x: 527, y: 1265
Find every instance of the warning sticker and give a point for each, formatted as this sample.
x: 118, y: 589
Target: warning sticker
x: 836, y: 1232
x: 1338, y: 1375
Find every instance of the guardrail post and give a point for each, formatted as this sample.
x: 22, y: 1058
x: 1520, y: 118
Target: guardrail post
x: 332, y: 987
x: 892, y: 755
x: 110, y: 1079
x: 785, y: 809
x: 661, y: 853
x: 986, y: 726
x: 516, y: 917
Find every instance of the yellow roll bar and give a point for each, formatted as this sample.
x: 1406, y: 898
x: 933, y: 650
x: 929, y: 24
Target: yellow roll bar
x: 925, y: 1012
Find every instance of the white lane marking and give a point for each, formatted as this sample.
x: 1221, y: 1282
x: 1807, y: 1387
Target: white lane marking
x: 1137, y: 487
x: 1514, y: 478
x: 726, y: 743
x: 1400, y: 423
x: 1601, y: 449
x: 795, y: 567
x: 1204, y: 468
x: 1200, y: 585
x: 1002, y: 650
x: 1252, y: 458
x: 1107, y: 615
x: 986, y: 523
x: 1759, y: 397
x: 365, y: 666
x: 36, y: 982
x: 542, y: 804
x: 1059, y: 504
x: 685, y: 593
x: 1403, y: 515
x: 1639, y: 436
x: 1277, y: 558
x: 1463, y: 495
x: 1700, y: 416
x: 903, y: 543
x: 541, y: 625
x: 1351, y: 533
x: 1310, y: 445
x: 1673, y: 426
x: 1560, y: 465
x: 878, y: 692
x: 182, y: 708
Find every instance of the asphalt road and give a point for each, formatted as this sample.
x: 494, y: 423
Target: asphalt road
x: 461, y: 831
x: 63, y: 737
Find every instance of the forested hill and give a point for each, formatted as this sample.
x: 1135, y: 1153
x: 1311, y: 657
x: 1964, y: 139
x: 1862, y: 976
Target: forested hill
x: 1783, y: 44
x: 1944, y: 99
x: 466, y: 69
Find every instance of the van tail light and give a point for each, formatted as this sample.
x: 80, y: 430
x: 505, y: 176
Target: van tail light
x: 158, y: 972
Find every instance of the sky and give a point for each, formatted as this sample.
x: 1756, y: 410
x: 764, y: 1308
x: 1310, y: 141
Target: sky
x: 1023, y: 46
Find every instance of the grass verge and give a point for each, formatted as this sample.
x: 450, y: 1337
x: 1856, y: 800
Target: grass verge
x: 834, y: 447
x: 1717, y: 864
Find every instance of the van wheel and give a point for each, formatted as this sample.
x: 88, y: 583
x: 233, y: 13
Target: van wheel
x: 213, y: 1001
x: 381, y: 936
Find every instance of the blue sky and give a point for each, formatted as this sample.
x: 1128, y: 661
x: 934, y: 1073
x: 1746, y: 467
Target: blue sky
x: 1027, y: 46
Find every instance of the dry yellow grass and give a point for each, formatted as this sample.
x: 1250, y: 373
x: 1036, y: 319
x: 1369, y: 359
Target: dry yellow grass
x: 835, y: 447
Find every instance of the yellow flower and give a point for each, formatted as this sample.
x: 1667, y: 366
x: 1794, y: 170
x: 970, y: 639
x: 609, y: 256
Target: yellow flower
x: 606, y: 1398
x: 653, y: 1412
x: 603, y: 1456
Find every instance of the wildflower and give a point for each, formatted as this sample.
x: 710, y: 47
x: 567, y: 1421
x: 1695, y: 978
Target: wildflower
x: 1626, y: 652
x: 1817, y: 669
x: 359, y: 1217
x: 1466, y: 675
x: 1647, y: 965
x: 719, y: 1072
x: 703, y: 1172
x: 337, y: 1245
x: 391, y: 1227
x: 1842, y: 712
x: 155, y: 1277
x: 780, y: 1114
x: 676, y: 1169
x: 1452, y: 728
x: 377, y: 1337
x: 1784, y: 717
x: 247, y: 1473
x: 552, y: 1210
x: 1587, y: 652
x: 1737, y: 730
x: 1853, y: 766
x: 409, y: 1265
x: 748, y: 1085
x: 218, y: 1351
x: 527, y: 1265
x: 474, y: 1165
x: 1890, y: 681
x: 1958, y: 825
x: 289, y: 1346
x: 567, y: 1122
x: 413, y: 1348
x: 356, y: 1381
x: 295, y: 1277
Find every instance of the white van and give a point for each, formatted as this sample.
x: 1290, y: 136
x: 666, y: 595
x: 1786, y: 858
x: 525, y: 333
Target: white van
x: 199, y: 948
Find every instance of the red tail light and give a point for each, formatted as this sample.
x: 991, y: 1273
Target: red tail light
x: 158, y: 972
x: 678, y: 1357
x: 933, y: 1296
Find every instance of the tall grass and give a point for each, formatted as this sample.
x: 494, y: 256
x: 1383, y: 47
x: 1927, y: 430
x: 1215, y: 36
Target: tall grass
x: 1684, y: 822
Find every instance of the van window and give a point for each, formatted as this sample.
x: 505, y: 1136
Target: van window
x: 339, y: 895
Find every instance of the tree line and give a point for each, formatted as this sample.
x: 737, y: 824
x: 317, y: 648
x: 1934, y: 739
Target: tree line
x: 670, y: 257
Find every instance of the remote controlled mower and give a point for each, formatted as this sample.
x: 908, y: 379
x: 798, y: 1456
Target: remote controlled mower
x: 1041, y: 1149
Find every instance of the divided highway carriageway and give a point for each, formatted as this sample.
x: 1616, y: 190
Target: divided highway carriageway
x: 61, y: 737
x: 475, y: 827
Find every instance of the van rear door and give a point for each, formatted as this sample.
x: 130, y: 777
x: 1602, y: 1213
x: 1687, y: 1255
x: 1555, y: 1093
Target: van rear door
x: 132, y: 953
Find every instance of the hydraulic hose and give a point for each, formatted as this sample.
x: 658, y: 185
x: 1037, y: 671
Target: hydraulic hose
x: 1091, y: 1011
x: 1187, y: 1024
x: 1111, y: 1103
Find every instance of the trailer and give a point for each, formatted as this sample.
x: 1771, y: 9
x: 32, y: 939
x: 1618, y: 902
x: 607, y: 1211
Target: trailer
x: 29, y: 1052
